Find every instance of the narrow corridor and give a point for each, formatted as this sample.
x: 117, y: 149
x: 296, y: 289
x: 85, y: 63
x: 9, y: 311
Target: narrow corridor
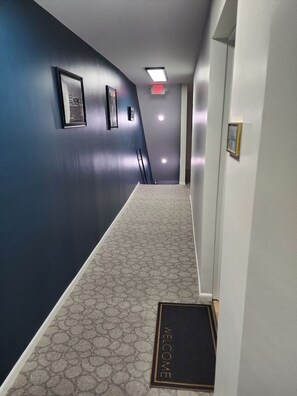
x: 101, y: 341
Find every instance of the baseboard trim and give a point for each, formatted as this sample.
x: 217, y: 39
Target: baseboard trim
x: 181, y: 183
x: 205, y: 297
x: 195, y: 248
x: 8, y: 382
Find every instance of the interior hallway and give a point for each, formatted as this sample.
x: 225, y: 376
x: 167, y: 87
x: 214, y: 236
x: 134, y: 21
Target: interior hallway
x: 101, y: 341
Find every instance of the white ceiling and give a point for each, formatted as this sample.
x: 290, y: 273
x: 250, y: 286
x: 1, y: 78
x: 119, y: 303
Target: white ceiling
x: 134, y: 34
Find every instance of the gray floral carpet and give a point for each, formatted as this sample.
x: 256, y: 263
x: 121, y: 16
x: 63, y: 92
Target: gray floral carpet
x: 101, y: 341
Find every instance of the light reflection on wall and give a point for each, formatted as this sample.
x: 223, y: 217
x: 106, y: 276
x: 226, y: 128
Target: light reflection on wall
x: 200, y: 117
x: 198, y: 161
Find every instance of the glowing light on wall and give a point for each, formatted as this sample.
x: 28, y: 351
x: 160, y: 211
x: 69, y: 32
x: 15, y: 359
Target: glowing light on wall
x: 164, y: 161
x: 198, y: 161
x: 200, y: 117
x: 161, y: 117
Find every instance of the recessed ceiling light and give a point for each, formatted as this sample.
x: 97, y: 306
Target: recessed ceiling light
x: 161, y: 117
x: 157, y: 74
x: 164, y: 160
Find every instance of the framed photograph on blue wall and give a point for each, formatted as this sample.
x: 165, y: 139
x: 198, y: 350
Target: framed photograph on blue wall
x: 112, y: 107
x: 72, y: 97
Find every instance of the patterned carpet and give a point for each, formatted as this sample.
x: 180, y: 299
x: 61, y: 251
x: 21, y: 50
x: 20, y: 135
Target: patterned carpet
x: 101, y: 341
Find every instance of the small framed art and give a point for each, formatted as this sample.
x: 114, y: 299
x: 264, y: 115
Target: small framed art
x: 112, y: 107
x: 131, y: 113
x: 72, y: 97
x: 234, y: 138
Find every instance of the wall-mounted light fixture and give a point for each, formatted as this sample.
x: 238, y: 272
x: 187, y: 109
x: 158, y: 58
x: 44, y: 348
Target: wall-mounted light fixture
x: 157, y: 74
x: 161, y: 117
x: 164, y: 161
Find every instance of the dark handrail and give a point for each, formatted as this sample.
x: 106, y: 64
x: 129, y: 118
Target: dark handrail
x: 145, y: 178
x: 139, y: 164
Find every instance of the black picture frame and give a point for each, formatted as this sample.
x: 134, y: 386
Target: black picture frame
x: 72, y: 98
x: 112, y: 107
x: 131, y: 113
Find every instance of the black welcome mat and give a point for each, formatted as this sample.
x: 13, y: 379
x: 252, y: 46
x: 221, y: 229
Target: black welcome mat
x: 185, y: 347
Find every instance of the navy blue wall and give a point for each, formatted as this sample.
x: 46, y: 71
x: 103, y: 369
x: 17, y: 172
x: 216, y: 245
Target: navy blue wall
x: 60, y: 188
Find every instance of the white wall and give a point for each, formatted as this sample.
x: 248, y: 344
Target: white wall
x: 222, y: 172
x: 208, y: 93
x: 216, y: 93
x: 249, y: 82
x: 259, y: 230
x: 183, y: 134
x: 200, y: 96
x: 257, y: 347
x: 268, y: 358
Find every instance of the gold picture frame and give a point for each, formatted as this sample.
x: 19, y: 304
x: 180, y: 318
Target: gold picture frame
x: 234, y: 139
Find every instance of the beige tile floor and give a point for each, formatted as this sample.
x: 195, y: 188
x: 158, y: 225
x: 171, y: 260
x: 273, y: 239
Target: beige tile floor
x: 101, y: 341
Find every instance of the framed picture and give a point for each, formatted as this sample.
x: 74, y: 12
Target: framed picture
x: 112, y: 107
x: 233, y: 139
x: 72, y: 99
x: 131, y: 113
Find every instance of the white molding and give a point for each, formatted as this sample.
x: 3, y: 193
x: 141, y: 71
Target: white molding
x: 196, y: 254
x: 6, y: 385
x: 183, y: 133
x: 205, y: 297
x: 182, y: 183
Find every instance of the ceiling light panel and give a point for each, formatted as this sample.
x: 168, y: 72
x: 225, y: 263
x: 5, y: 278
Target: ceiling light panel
x: 157, y: 74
